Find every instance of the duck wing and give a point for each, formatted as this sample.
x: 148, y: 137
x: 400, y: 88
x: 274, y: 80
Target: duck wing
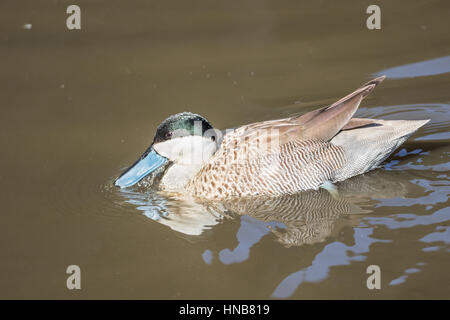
x: 323, y: 124
x: 319, y: 125
x: 282, y: 156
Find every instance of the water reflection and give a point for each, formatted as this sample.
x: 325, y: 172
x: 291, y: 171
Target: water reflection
x: 181, y: 214
x: 304, y: 218
x: 418, y: 69
x: 250, y: 232
x: 439, y: 239
x: 334, y: 254
x: 337, y: 253
x: 407, y: 272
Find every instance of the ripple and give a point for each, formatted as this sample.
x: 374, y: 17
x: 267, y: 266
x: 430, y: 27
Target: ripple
x: 439, y: 113
x: 404, y: 277
x: 85, y: 192
x: 334, y: 254
x: 439, y: 216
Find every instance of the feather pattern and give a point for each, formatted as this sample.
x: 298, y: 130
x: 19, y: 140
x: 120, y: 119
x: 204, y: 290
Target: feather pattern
x: 285, y: 156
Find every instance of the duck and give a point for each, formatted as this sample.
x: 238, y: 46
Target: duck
x: 271, y: 158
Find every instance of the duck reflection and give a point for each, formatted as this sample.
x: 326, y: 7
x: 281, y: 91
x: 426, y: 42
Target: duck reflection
x: 180, y: 214
x: 304, y: 218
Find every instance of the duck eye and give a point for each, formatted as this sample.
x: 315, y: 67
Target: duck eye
x: 168, y: 135
x: 213, y: 138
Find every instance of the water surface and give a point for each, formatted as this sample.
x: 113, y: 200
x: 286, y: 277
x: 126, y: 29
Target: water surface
x: 80, y: 106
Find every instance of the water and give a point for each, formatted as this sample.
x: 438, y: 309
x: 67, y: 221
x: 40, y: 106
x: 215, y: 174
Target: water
x: 80, y: 106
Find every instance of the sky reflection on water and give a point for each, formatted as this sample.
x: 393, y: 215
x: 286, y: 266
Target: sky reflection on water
x: 418, y: 69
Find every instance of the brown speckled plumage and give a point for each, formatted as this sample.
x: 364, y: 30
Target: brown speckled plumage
x: 294, y: 166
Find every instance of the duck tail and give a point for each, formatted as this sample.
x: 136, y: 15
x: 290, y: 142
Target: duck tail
x: 366, y: 147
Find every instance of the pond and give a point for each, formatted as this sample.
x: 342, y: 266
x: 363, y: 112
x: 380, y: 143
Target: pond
x: 79, y: 106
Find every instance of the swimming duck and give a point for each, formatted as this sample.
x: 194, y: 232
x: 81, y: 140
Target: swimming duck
x: 269, y: 158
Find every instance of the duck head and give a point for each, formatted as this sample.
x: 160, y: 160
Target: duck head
x: 183, y: 142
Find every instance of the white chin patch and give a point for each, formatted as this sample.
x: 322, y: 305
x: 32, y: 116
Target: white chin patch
x: 190, y: 150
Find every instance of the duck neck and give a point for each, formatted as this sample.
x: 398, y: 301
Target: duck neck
x: 177, y: 176
x: 187, y: 156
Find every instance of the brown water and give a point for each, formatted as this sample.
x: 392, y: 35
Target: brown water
x: 79, y: 106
